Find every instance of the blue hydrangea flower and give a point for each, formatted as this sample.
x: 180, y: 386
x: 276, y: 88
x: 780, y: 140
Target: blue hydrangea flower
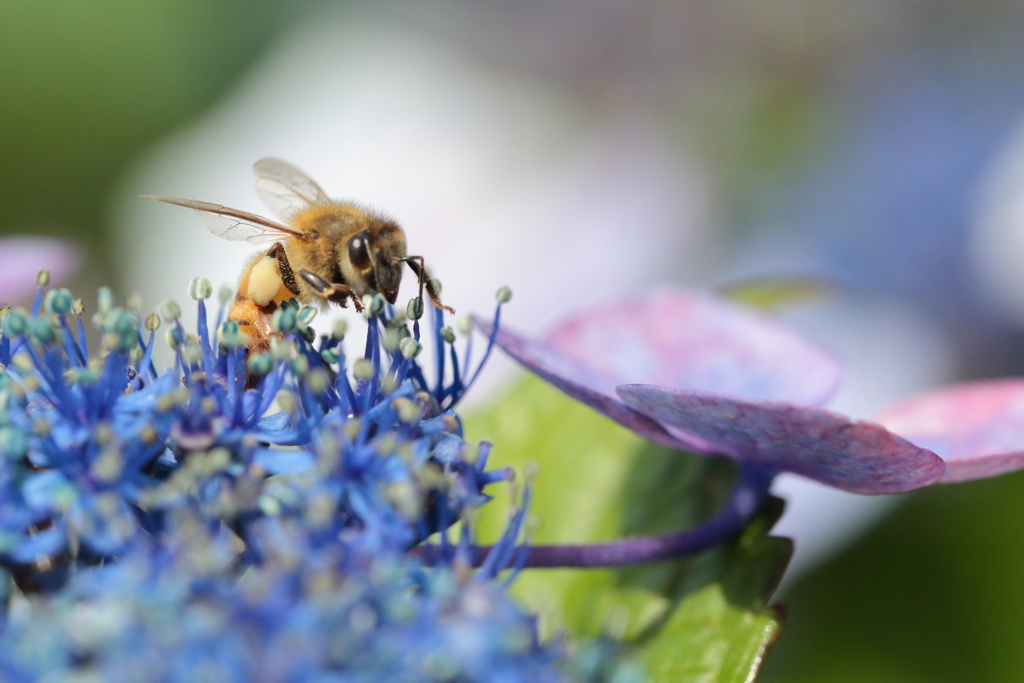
x: 98, y: 447
x: 132, y: 500
x: 307, y: 612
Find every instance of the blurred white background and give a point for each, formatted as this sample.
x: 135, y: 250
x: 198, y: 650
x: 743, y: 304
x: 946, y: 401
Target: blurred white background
x: 517, y: 171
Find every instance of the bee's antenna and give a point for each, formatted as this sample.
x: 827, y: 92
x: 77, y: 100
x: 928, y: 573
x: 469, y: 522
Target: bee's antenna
x: 425, y: 280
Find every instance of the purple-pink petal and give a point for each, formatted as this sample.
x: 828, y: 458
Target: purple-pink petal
x: 977, y: 427
x: 855, y: 456
x: 21, y: 259
x: 576, y: 380
x: 689, y: 340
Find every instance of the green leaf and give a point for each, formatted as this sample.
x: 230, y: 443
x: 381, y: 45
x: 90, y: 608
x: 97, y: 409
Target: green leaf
x: 722, y: 629
x: 701, y: 619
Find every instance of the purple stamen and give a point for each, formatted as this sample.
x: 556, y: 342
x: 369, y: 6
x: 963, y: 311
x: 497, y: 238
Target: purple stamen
x: 83, y: 343
x: 495, y: 326
x: 38, y: 301
x: 146, y: 365
x: 209, y: 361
x: 437, y: 320
x: 71, y: 348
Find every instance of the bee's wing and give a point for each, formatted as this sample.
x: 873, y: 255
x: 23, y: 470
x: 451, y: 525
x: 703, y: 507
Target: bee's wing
x: 286, y: 189
x: 232, y: 224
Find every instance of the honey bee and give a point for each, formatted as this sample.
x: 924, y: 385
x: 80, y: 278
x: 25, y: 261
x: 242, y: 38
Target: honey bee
x: 323, y: 252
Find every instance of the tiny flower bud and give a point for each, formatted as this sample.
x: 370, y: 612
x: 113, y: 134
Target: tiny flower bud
x: 57, y: 301
x: 124, y: 323
x: 170, y: 310
x: 43, y: 278
x: 105, y: 300
x: 448, y: 334
x: 230, y: 335
x: 135, y: 355
x: 470, y: 453
x: 83, y: 376
x: 225, y: 293
x: 329, y: 356
x: 300, y: 366
x: 373, y: 304
x: 260, y: 364
x: 111, y: 341
x: 269, y: 505
x: 408, y: 411
x: 42, y: 330
x: 503, y: 295
x: 318, y: 381
x: 464, y: 326
x: 362, y: 369
x: 208, y: 404
x: 78, y: 307
x: 283, y: 320
x: 15, y: 323
x: 13, y: 442
x: 41, y: 427
x: 309, y: 334
x: 414, y: 309
x: 410, y: 348
x: 152, y: 322
x: 107, y: 468
x: 280, y: 349
x: 391, y: 340
x: 287, y: 401
x: 102, y: 433
x: 193, y: 354
x: 404, y: 497
x: 133, y: 302
x: 306, y: 315
x: 339, y: 329
x: 200, y: 289
x: 148, y: 433
x: 122, y: 329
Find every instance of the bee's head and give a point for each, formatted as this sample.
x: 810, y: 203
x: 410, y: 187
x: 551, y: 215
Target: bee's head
x: 371, y: 260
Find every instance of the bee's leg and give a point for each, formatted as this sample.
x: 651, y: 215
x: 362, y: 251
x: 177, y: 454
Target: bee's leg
x: 285, y: 268
x: 425, y: 280
x: 338, y: 293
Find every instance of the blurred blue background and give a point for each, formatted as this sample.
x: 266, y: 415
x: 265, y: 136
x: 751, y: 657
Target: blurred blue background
x: 574, y: 149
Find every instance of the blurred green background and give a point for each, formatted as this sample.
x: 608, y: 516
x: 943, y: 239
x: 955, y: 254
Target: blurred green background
x: 932, y: 593
x: 85, y: 86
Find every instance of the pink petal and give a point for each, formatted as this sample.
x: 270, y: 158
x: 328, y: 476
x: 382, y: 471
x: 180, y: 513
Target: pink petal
x: 856, y: 456
x: 575, y: 380
x: 21, y: 259
x: 978, y: 428
x: 690, y: 340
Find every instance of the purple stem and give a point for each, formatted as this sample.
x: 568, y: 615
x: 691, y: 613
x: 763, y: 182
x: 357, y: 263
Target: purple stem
x: 746, y: 497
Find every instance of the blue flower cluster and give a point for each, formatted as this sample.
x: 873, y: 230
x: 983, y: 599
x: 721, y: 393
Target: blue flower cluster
x: 244, y: 517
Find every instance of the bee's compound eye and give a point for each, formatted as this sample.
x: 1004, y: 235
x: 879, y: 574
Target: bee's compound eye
x: 357, y: 252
